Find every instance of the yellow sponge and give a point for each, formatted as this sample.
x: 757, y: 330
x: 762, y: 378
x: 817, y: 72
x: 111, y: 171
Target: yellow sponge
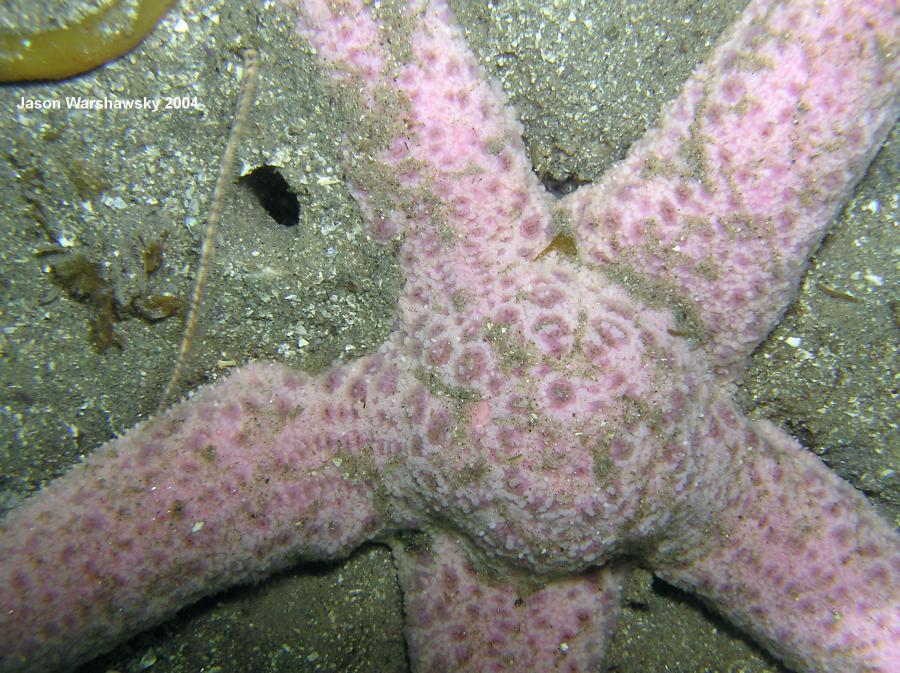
x: 94, y: 37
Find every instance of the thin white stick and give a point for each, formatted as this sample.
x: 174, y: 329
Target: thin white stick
x: 248, y: 87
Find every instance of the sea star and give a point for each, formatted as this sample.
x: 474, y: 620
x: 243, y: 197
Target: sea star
x: 539, y: 411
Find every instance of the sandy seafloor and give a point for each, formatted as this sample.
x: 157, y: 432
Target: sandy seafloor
x: 107, y: 184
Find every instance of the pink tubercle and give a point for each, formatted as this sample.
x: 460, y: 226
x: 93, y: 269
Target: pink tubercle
x: 480, y: 415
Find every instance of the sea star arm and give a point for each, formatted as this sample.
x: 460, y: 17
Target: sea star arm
x: 459, y: 619
x: 251, y: 474
x: 795, y: 555
x: 726, y: 199
x: 435, y: 147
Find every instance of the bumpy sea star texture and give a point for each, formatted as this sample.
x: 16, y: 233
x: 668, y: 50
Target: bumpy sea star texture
x: 539, y: 412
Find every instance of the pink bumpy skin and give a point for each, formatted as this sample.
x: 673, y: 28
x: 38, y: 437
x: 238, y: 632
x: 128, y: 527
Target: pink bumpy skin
x: 531, y: 416
x: 727, y: 198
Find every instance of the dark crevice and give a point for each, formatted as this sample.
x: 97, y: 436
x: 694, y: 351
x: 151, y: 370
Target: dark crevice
x: 561, y: 186
x: 273, y: 193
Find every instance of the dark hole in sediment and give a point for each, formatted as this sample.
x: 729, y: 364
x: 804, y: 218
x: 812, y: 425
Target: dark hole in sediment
x: 561, y: 186
x: 273, y: 193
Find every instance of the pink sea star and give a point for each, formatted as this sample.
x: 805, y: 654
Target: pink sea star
x: 537, y: 416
